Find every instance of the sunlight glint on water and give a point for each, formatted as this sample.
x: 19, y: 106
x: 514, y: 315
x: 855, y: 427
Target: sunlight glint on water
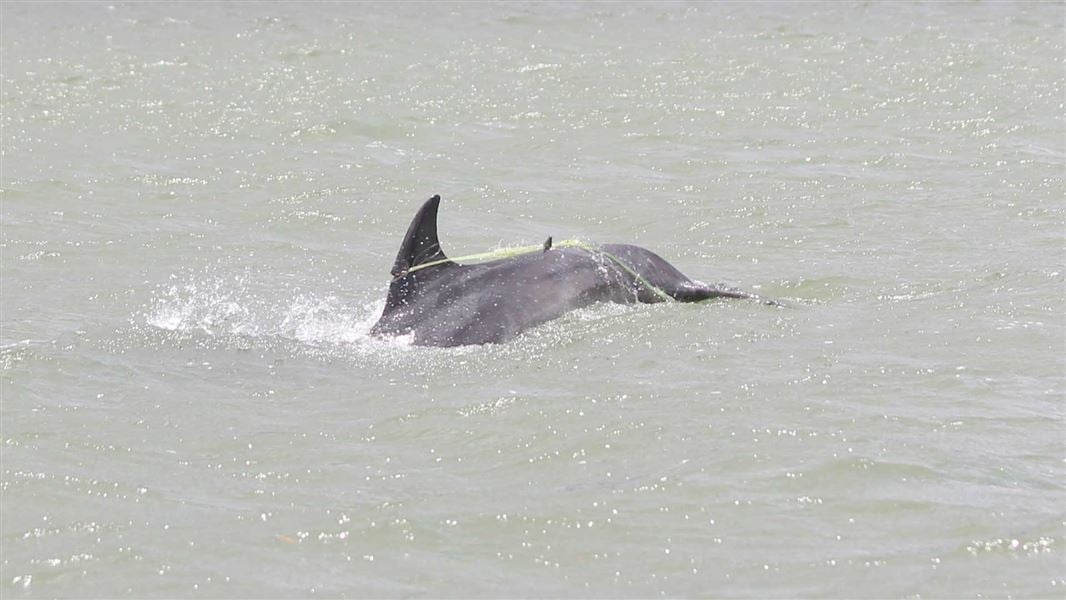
x: 201, y: 206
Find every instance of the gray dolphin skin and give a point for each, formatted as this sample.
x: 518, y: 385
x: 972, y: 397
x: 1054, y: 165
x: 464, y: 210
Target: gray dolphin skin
x: 448, y: 304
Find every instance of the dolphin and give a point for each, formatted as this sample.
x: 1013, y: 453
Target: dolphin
x: 443, y: 303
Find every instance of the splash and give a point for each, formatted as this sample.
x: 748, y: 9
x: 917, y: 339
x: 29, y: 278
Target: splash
x: 206, y: 306
x: 242, y: 311
x: 228, y: 308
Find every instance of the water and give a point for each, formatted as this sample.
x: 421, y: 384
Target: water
x: 201, y: 206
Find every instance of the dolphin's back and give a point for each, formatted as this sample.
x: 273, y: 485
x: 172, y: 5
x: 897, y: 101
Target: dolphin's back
x: 442, y: 303
x: 493, y: 302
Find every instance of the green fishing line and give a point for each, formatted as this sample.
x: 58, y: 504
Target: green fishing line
x: 512, y: 252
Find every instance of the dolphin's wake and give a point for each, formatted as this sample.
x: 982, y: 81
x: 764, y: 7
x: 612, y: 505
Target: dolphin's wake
x: 223, y: 308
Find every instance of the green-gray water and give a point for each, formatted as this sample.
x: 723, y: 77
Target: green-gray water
x: 201, y: 204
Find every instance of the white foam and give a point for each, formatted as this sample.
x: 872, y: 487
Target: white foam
x: 223, y: 308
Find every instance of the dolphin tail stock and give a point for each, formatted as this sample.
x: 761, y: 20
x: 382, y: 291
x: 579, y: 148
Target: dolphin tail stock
x: 697, y: 291
x: 656, y: 272
x: 420, y: 245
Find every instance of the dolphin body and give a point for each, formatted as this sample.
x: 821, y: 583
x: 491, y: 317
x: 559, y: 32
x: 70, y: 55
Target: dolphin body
x: 448, y: 304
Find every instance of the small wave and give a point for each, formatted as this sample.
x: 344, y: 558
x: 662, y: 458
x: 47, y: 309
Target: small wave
x: 14, y: 353
x: 1033, y: 547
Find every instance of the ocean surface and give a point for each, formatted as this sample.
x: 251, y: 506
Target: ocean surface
x: 201, y: 204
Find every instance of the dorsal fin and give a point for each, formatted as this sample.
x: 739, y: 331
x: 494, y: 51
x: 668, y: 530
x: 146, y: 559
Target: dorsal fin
x: 420, y: 245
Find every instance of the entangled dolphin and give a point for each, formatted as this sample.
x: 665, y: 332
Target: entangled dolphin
x: 444, y: 303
